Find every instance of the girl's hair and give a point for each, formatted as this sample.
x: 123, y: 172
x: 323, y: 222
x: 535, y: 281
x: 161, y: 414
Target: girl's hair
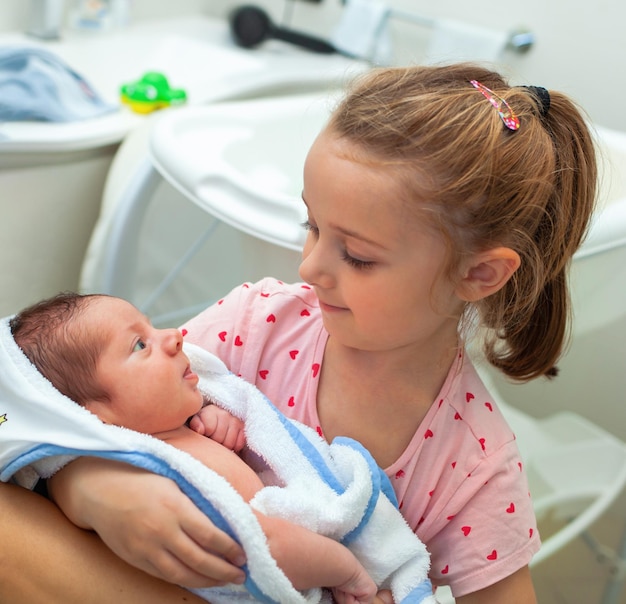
x: 62, y: 348
x: 532, y: 190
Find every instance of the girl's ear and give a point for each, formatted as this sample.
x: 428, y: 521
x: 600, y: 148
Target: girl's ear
x: 487, y: 273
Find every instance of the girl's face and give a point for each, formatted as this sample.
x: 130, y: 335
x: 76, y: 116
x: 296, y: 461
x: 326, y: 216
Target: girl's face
x: 143, y: 370
x: 374, y: 264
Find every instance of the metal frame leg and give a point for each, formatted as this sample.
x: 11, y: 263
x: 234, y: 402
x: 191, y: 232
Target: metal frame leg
x: 120, y: 254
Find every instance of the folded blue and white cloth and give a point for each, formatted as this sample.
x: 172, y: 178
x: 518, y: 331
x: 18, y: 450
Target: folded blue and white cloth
x: 334, y: 489
x: 36, y: 85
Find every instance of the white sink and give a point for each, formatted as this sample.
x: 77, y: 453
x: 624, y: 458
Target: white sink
x: 195, y: 53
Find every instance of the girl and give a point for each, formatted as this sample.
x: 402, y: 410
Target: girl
x: 440, y: 200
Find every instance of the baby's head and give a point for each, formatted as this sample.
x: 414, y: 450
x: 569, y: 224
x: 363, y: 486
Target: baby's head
x: 483, y: 185
x: 104, y: 354
x: 61, y: 346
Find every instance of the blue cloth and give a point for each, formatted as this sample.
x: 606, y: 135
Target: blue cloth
x: 36, y: 85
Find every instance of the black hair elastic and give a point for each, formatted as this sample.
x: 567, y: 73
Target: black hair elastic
x: 544, y: 98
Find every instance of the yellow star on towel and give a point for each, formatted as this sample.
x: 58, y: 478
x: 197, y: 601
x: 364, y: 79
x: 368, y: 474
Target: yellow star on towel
x: 3, y: 418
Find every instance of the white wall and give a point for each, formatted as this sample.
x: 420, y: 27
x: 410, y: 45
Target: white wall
x: 580, y: 47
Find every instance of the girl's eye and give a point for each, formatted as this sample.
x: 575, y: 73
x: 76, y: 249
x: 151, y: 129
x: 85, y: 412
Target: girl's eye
x: 356, y: 263
x: 309, y: 227
x: 139, y: 345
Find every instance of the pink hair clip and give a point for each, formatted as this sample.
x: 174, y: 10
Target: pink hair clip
x: 511, y: 121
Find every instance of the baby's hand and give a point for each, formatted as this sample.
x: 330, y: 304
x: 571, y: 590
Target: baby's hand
x: 360, y: 589
x: 220, y: 426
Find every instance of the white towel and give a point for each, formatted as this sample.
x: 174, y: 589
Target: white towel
x: 36, y: 85
x: 453, y: 41
x: 336, y: 490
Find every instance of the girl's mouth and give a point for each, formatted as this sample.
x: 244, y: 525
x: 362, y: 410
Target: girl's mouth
x: 329, y: 308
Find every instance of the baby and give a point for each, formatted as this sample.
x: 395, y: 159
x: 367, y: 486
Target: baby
x: 104, y: 354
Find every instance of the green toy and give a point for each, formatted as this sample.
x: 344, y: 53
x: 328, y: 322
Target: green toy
x: 151, y: 92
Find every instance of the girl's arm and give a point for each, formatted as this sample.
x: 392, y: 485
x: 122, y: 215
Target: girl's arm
x: 311, y: 560
x: 147, y: 521
x: 515, y: 589
x: 45, y: 558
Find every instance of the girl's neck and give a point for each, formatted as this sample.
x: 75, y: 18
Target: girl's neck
x: 407, y: 366
x: 380, y: 398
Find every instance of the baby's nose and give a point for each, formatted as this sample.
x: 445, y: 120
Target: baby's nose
x: 173, y: 340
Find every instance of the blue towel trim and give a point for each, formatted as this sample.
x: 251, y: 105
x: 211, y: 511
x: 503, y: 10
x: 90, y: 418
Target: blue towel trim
x: 375, y: 474
x: 380, y: 481
x: 309, y: 451
x: 153, y: 464
x: 419, y: 594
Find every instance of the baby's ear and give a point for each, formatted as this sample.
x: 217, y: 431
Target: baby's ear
x: 99, y: 408
x: 486, y: 273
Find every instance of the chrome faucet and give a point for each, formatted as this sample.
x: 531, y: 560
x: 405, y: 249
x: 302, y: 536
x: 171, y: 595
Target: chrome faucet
x: 46, y: 19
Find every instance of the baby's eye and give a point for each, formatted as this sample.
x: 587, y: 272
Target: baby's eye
x: 139, y: 345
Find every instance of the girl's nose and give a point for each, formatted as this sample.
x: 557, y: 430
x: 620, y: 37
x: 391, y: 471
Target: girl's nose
x: 315, y: 267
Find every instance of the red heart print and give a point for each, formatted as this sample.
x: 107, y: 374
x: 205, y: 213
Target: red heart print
x: 511, y: 509
x: 291, y: 401
x: 428, y: 433
x: 489, y: 406
x: 246, y: 285
x: 466, y: 530
x: 265, y: 295
x: 457, y: 416
x: 519, y: 465
x: 263, y: 374
x: 319, y: 431
x: 445, y: 570
x: 238, y: 341
x: 450, y: 517
x: 453, y: 464
x: 271, y: 318
x: 430, y: 493
x: 293, y: 353
x: 220, y: 301
x: 482, y: 443
x: 530, y: 533
x: 222, y: 336
x: 184, y: 332
x: 305, y: 286
x: 400, y: 474
x: 316, y: 369
x: 493, y: 555
x: 468, y: 397
x: 305, y: 313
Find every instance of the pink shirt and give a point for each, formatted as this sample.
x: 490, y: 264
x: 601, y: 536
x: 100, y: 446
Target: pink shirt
x: 460, y: 482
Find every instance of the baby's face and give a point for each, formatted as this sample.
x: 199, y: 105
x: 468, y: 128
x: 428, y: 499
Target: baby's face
x: 143, y: 369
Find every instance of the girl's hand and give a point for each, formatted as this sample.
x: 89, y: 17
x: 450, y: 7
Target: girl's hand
x: 219, y: 425
x: 148, y: 522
